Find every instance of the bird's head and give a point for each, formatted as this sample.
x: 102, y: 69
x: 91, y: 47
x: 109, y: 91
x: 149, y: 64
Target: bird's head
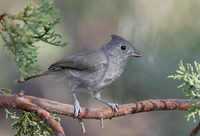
x: 119, y: 47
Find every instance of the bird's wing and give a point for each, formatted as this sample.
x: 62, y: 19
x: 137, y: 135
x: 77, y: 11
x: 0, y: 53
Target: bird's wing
x: 90, y: 61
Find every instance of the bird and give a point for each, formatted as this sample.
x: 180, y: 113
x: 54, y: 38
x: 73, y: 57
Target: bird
x: 94, y: 70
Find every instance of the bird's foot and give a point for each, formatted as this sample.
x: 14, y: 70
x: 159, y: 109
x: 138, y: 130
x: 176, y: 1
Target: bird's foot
x: 77, y: 108
x: 113, y: 106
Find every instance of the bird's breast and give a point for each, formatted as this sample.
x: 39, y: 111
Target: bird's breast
x: 105, y: 77
x: 97, y: 80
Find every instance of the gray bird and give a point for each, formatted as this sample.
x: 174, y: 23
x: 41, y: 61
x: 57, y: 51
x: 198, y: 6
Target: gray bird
x: 94, y: 70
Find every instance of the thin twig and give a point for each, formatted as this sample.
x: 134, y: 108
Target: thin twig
x: 82, y: 125
x: 195, y: 130
x: 102, y: 124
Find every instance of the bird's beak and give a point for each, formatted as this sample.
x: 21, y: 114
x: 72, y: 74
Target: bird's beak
x: 135, y: 54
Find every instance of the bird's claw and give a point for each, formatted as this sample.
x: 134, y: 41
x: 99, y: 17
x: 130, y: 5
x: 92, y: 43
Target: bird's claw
x: 114, y: 106
x: 77, y: 108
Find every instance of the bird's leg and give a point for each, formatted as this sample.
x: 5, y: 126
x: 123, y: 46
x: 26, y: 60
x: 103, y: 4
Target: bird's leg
x: 77, y: 107
x: 113, y: 106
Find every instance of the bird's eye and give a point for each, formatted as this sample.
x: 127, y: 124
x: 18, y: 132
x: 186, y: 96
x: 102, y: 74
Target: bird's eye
x: 123, y: 47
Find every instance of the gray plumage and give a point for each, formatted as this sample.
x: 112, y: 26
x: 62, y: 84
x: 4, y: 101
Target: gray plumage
x: 94, y: 70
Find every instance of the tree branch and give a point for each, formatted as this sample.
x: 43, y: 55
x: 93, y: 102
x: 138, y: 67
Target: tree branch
x: 40, y: 106
x: 18, y: 102
x: 195, y: 130
x: 27, y: 102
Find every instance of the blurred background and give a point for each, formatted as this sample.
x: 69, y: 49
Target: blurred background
x: 164, y: 32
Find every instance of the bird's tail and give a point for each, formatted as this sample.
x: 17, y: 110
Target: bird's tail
x: 34, y: 76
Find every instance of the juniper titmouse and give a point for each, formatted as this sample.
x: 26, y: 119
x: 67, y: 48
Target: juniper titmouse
x: 94, y: 70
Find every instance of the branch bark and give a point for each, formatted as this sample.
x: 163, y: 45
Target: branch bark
x: 26, y: 102
x: 18, y: 102
x: 41, y: 106
x: 195, y: 130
